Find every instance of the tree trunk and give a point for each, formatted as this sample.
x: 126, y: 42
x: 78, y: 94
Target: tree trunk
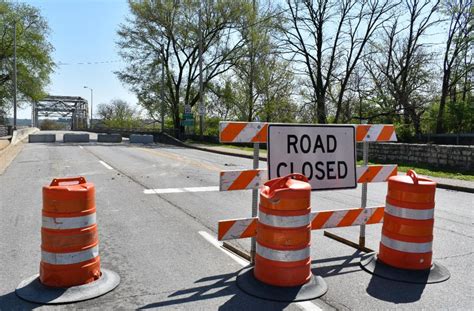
x: 321, y: 108
x: 442, y: 103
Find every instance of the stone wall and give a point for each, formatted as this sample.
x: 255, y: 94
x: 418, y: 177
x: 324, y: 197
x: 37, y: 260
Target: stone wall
x: 456, y: 158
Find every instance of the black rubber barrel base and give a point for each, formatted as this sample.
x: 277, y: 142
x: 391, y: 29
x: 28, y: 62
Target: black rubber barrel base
x: 246, y: 281
x: 33, y: 290
x: 436, y: 274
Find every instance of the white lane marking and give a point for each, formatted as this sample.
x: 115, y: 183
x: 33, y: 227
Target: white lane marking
x: 304, y: 305
x: 106, y: 165
x: 81, y: 147
x: 218, y: 244
x: 180, y: 190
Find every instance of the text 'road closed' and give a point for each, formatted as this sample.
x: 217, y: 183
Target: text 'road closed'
x: 324, y: 154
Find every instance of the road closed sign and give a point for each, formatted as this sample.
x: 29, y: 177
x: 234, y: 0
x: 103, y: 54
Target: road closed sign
x: 323, y: 153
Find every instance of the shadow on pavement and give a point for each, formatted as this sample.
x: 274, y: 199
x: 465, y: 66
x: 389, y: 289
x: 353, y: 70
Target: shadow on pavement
x: 350, y: 264
x: 221, y: 286
x: 393, y: 291
x: 11, y: 301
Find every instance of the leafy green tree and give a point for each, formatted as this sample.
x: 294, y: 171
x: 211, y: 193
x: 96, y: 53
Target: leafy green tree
x: 168, y: 32
x: 34, y: 62
x: 119, y: 114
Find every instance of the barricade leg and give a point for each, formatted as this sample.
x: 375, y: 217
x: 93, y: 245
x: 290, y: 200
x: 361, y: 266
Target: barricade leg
x: 282, y: 270
x: 405, y: 252
x: 70, y: 267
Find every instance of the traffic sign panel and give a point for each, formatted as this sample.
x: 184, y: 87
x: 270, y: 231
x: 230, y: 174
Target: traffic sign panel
x: 202, y: 110
x: 187, y: 122
x: 325, y: 154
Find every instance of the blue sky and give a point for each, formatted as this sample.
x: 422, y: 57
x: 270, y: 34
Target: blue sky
x: 84, y: 31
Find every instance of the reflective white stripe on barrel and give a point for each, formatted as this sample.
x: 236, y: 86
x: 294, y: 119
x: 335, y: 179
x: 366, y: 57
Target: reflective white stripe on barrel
x: 409, y: 213
x: 407, y: 247
x: 284, y: 221
x: 61, y: 223
x: 69, y: 258
x: 279, y: 255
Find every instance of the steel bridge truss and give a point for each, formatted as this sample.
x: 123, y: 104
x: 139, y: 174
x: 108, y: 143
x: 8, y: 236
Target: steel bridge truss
x: 75, y: 108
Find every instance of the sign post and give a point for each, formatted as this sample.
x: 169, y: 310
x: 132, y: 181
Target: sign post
x: 325, y: 154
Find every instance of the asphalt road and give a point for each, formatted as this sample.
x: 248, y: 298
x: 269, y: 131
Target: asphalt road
x: 157, y: 242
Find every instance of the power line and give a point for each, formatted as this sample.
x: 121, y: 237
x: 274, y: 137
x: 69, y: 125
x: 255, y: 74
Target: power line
x: 60, y: 63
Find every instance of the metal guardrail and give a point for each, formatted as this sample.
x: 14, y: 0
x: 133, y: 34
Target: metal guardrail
x: 6, y: 130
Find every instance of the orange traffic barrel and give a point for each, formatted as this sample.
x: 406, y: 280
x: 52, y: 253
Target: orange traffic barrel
x: 284, y: 233
x: 407, y: 231
x: 69, y: 239
x: 69, y: 247
x: 283, y: 240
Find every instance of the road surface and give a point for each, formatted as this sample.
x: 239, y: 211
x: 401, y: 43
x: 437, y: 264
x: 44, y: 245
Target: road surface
x: 162, y: 242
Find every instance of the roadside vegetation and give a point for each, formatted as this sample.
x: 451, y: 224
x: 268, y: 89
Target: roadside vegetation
x: 402, y: 167
x: 408, y: 63
x: 34, y: 60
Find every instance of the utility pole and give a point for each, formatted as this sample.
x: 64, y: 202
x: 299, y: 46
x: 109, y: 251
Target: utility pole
x: 14, y: 75
x: 201, y: 86
x: 256, y: 146
x: 162, y: 89
x: 92, y: 103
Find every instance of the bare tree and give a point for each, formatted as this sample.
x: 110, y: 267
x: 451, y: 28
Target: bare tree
x: 455, y: 65
x: 400, y: 65
x: 329, y: 58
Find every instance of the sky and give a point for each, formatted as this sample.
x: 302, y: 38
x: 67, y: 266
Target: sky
x: 84, y: 31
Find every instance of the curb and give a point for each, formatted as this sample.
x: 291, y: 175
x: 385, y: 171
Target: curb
x: 455, y: 188
x: 239, y: 155
x: 438, y: 185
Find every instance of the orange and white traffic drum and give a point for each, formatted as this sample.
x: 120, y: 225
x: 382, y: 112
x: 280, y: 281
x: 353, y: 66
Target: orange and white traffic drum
x: 70, y: 267
x: 407, y: 232
x: 282, y: 270
x: 69, y: 238
x: 406, y: 244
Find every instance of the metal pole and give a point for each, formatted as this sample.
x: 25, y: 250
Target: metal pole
x: 14, y: 75
x: 162, y: 89
x: 363, y: 203
x: 256, y: 149
x: 201, y: 86
x: 92, y: 105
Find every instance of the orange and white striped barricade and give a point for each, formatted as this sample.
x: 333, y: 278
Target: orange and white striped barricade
x: 405, y: 251
x: 70, y: 263
x: 282, y: 260
x: 257, y: 132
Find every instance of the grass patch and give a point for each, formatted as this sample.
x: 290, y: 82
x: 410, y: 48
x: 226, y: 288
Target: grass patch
x: 430, y: 171
x: 402, y: 167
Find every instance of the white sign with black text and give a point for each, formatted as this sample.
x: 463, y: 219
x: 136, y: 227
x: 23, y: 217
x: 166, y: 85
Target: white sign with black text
x: 325, y: 154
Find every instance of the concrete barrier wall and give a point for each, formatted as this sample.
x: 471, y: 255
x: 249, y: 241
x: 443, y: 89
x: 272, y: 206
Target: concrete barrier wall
x: 20, y: 134
x: 76, y: 138
x: 109, y: 138
x: 456, y: 158
x: 41, y: 138
x: 141, y: 139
